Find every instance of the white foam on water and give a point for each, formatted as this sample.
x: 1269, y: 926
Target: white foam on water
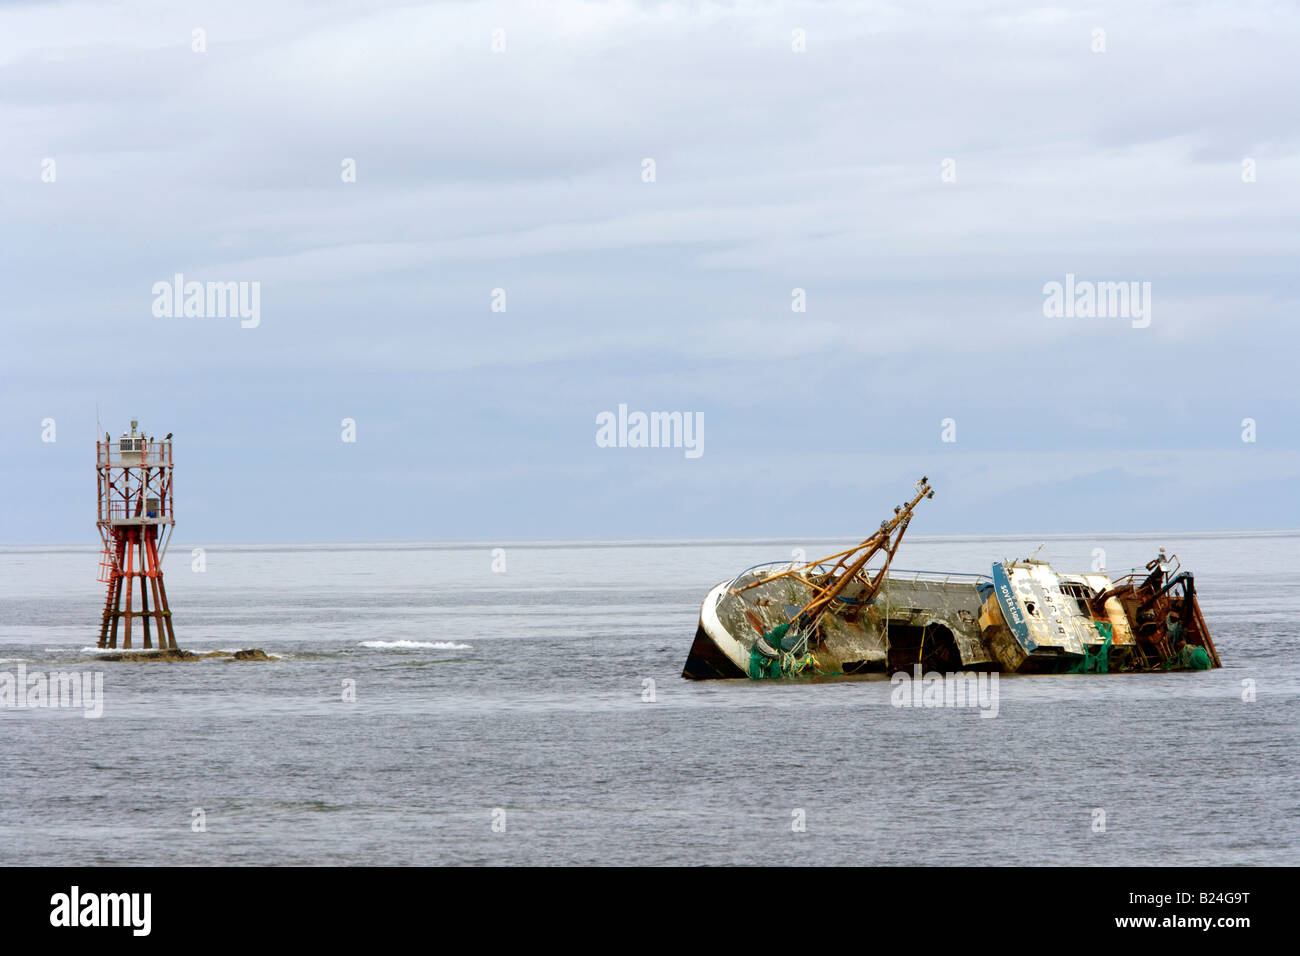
x: 411, y: 645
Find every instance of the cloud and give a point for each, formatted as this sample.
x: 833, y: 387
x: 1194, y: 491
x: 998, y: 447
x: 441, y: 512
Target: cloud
x: 774, y: 170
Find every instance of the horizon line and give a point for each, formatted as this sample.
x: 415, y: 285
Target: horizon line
x: 456, y: 543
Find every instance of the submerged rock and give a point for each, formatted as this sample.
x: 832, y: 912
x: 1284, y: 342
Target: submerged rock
x: 170, y: 656
x: 174, y: 655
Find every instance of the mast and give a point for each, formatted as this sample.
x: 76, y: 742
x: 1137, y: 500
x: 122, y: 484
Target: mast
x: 849, y: 565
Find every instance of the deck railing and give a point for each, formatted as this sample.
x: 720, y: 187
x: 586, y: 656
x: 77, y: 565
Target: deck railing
x: 895, y: 574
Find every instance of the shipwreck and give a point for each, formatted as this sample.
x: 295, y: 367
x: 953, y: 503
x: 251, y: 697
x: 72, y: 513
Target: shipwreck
x: 853, y: 613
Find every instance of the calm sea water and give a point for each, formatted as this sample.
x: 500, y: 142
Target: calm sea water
x: 524, y: 691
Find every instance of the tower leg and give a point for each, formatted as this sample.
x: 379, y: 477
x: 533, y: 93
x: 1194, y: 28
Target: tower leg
x: 117, y: 608
x: 130, y: 585
x: 166, y: 613
x: 144, y: 594
x: 165, y: 638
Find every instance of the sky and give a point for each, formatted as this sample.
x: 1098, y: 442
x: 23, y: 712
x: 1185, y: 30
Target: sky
x: 824, y: 230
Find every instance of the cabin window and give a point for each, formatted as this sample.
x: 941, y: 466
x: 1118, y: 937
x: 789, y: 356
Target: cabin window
x: 1082, y: 595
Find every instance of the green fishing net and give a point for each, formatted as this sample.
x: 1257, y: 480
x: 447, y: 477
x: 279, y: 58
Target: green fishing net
x: 1095, y: 661
x: 786, y: 663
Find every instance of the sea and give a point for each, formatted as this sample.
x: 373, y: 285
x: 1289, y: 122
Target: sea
x: 522, y: 704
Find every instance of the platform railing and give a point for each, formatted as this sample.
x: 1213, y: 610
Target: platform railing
x: 118, y: 509
x: 133, y: 453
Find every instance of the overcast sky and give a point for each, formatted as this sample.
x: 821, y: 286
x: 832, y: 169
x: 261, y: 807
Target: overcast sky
x: 775, y: 169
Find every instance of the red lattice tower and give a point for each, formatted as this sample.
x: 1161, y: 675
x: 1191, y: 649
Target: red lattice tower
x: 135, y: 510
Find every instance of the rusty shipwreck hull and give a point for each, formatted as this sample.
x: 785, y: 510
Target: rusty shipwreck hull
x: 855, y: 637
x: 852, y: 612
x: 1022, y: 617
